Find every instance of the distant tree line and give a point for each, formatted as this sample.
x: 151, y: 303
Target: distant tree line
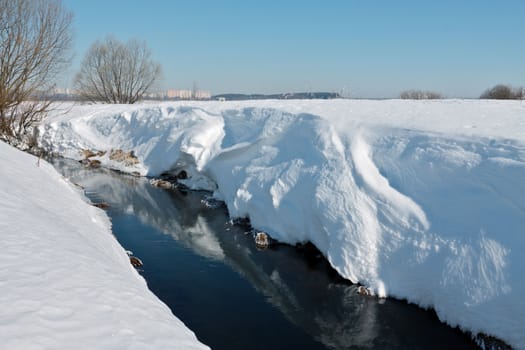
x: 420, y: 95
x: 282, y: 96
x: 497, y: 92
x: 504, y: 92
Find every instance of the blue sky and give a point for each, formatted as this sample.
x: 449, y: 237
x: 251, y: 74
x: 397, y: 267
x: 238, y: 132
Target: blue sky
x: 366, y: 48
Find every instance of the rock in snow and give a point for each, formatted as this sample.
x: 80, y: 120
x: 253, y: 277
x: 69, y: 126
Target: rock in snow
x: 65, y: 281
x: 421, y: 200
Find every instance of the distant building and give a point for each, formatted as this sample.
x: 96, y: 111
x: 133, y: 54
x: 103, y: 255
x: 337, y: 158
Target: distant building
x: 188, y: 94
x: 61, y: 91
x: 202, y: 95
x: 178, y: 94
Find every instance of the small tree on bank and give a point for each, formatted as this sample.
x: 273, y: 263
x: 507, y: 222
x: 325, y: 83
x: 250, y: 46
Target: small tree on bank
x: 35, y: 37
x: 116, y: 72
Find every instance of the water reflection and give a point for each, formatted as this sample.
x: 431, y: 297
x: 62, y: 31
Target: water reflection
x: 298, y: 283
x: 171, y: 212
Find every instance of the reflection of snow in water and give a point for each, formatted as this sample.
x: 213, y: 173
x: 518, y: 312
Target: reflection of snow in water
x: 150, y: 205
x: 203, y: 240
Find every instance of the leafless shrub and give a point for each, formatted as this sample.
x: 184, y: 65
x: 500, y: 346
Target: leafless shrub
x: 114, y: 72
x: 420, y: 95
x: 503, y: 92
x: 35, y: 38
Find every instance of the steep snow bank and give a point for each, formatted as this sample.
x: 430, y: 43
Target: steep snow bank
x: 65, y: 280
x: 417, y: 200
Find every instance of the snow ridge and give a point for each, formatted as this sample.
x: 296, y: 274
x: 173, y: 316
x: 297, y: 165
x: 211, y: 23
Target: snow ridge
x: 434, y: 217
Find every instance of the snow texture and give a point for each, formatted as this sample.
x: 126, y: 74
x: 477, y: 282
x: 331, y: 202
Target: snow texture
x: 66, y: 282
x: 418, y: 200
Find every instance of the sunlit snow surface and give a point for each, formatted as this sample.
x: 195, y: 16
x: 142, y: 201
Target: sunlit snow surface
x: 421, y: 200
x: 65, y: 281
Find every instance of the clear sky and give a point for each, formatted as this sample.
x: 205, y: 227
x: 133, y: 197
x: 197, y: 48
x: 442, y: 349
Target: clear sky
x: 366, y: 48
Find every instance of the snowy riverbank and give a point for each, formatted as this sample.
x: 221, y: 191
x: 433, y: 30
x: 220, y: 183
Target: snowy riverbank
x: 66, y: 282
x: 420, y: 200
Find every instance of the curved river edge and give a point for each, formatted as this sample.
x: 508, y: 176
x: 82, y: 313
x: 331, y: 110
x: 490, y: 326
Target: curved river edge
x: 177, y: 181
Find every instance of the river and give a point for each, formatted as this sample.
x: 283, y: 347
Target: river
x: 236, y: 296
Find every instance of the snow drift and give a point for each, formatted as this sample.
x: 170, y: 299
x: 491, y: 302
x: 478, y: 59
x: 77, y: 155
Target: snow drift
x: 416, y: 200
x: 65, y: 279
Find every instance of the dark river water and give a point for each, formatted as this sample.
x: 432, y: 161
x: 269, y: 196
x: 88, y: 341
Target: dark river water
x: 234, y: 296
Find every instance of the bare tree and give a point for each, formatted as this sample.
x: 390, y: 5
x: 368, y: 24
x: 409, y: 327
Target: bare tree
x: 114, y: 72
x: 503, y: 92
x: 35, y: 37
x: 420, y: 95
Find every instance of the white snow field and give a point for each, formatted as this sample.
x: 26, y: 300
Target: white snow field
x: 418, y: 200
x: 65, y: 281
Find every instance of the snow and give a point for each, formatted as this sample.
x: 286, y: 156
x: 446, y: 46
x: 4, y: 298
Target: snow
x: 66, y: 282
x: 418, y: 200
